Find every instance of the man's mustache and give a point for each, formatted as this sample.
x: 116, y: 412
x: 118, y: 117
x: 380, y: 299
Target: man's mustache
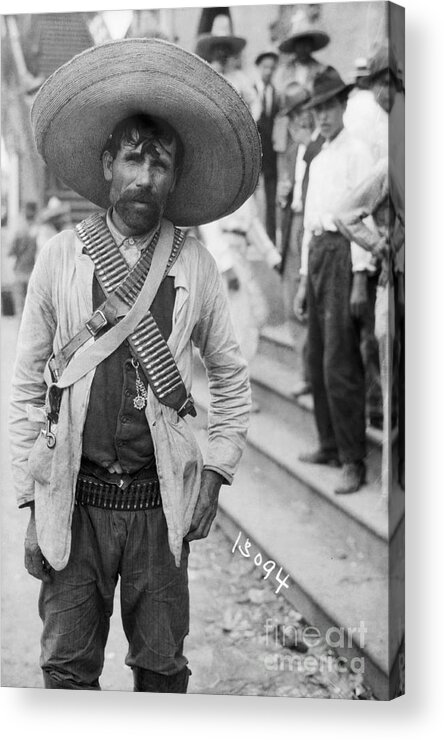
x: 139, y: 196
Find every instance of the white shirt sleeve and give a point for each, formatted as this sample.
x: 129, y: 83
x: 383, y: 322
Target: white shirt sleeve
x: 360, y: 168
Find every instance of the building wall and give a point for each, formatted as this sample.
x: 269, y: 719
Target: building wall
x: 354, y: 28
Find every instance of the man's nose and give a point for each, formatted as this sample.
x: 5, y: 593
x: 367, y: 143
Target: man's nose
x: 144, y: 174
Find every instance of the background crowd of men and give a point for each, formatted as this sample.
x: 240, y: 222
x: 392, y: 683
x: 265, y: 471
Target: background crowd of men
x: 338, y: 229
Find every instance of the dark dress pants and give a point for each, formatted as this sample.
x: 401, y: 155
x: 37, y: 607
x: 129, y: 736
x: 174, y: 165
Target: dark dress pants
x: 270, y: 187
x: 336, y: 367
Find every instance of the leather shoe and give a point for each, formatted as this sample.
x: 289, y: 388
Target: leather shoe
x: 353, y: 477
x: 321, y: 457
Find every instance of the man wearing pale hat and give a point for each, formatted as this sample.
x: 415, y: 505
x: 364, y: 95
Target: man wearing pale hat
x: 222, y: 49
x: 52, y: 219
x: 333, y: 285
x: 304, y: 39
x: 299, y: 64
x: 101, y: 449
x: 304, y: 143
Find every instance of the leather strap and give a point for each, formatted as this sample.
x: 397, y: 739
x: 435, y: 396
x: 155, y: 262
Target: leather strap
x: 105, y: 345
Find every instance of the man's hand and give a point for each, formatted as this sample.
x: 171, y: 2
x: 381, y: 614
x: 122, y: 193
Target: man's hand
x: 359, y: 295
x: 283, y: 191
x: 300, y: 301
x: 206, y: 506
x: 381, y: 250
x: 232, y: 279
x: 35, y: 563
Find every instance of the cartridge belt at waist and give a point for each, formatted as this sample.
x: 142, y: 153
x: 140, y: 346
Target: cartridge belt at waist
x: 119, y: 492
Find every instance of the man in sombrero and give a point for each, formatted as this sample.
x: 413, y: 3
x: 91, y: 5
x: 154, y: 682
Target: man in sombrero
x: 101, y: 448
x: 298, y: 65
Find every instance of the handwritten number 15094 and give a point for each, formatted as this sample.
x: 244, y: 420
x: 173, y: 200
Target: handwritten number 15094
x: 268, y: 566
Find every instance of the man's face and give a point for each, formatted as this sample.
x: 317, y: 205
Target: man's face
x: 384, y: 90
x: 302, y: 50
x: 266, y: 69
x: 220, y: 56
x: 141, y: 175
x: 329, y: 117
x: 30, y: 211
x: 301, y: 124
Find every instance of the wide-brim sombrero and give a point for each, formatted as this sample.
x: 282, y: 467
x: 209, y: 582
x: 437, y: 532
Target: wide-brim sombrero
x: 78, y: 107
x: 207, y: 41
x: 319, y: 39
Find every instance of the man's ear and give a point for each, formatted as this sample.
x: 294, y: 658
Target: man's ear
x: 175, y: 179
x: 107, y: 164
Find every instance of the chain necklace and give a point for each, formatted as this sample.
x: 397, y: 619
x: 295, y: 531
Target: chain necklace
x: 141, y: 399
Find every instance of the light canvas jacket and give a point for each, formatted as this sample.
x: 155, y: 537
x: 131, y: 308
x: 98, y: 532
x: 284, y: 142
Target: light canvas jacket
x: 58, y: 304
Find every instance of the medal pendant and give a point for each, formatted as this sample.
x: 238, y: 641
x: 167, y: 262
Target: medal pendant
x: 139, y: 402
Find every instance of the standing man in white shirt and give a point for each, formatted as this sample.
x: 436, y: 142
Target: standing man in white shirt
x: 333, y: 289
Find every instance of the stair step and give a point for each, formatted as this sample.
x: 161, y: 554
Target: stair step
x: 274, y: 381
x: 364, y: 515
x: 283, y: 342
x: 331, y: 579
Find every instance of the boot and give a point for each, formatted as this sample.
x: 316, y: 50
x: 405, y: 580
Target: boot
x: 146, y: 680
x: 353, y: 477
x: 321, y: 457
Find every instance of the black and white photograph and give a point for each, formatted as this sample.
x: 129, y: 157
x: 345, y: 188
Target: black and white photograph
x: 203, y: 350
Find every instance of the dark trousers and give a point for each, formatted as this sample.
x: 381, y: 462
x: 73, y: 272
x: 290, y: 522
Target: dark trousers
x: 335, y: 361
x: 76, y: 605
x: 270, y: 186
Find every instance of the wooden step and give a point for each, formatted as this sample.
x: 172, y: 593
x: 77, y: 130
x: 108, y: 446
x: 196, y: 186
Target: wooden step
x: 364, y: 515
x: 273, y: 382
x: 334, y: 581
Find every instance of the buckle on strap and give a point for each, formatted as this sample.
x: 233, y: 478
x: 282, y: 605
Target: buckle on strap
x: 187, y: 407
x: 97, y: 321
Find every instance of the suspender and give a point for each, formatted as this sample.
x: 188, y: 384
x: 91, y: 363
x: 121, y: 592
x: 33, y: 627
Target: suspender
x: 122, y: 286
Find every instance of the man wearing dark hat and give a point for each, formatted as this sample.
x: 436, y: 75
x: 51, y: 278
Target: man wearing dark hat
x: 333, y: 285
x: 267, y: 110
x: 101, y: 449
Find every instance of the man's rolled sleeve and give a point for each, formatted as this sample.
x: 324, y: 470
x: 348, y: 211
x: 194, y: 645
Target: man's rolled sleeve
x: 228, y: 382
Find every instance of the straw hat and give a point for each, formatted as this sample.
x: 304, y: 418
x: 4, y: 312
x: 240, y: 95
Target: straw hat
x: 326, y: 85
x: 301, y: 28
x: 265, y: 54
x: 78, y: 107
x: 208, y: 41
x: 220, y: 34
x: 54, y: 209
